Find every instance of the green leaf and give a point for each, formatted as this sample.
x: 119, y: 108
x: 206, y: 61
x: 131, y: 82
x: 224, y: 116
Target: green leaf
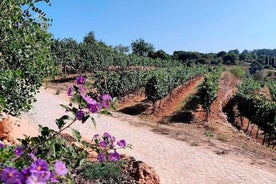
x: 93, y: 121
x: 61, y: 121
x: 106, y: 112
x: 85, y: 118
x: 82, y: 161
x: 65, y: 107
x: 76, y: 134
x: 45, y: 131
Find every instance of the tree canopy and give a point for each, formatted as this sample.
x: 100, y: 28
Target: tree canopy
x: 24, y: 53
x: 141, y: 48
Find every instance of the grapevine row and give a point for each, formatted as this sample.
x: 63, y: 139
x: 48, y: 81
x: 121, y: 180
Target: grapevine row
x: 166, y: 79
x: 209, y: 88
x: 258, y: 109
x: 272, y: 88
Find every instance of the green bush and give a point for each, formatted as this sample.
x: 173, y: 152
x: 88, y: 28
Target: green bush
x: 237, y: 71
x: 24, y: 53
x: 94, y: 171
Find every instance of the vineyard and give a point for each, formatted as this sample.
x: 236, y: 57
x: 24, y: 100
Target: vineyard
x: 258, y: 109
x: 157, y: 83
x: 272, y: 88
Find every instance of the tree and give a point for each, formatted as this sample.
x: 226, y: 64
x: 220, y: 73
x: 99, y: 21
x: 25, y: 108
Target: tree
x: 121, y: 49
x: 236, y: 51
x: 244, y: 55
x: 230, y: 59
x: 221, y: 54
x: 90, y: 38
x: 66, y: 54
x: 25, y: 53
x: 159, y: 54
x: 186, y: 56
x: 141, y: 48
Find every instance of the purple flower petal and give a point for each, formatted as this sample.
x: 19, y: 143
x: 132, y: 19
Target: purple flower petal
x: 80, y: 80
x: 70, y: 90
x: 54, y: 178
x: 60, y: 168
x: 88, y: 99
x: 39, y: 176
x: 96, y: 137
x: 80, y: 114
x: 1, y: 145
x: 11, y: 175
x: 121, y: 143
x: 101, y: 157
x: 106, y: 97
x: 102, y: 144
x: 18, y: 151
x: 106, y: 104
x: 32, y: 156
x: 114, y: 157
x: 93, y: 108
x: 39, y: 165
x: 81, y: 90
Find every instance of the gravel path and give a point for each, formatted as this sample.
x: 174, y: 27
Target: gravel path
x: 176, y: 162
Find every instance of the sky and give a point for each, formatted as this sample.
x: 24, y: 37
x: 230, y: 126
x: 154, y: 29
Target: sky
x: 189, y: 25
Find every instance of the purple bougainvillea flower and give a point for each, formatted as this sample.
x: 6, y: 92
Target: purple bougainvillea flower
x: 60, y: 168
x: 10, y: 175
x: 18, y: 151
x: 114, y: 157
x: 80, y: 114
x: 70, y: 91
x: 80, y: 80
x: 39, y: 165
x: 1, y: 145
x: 106, y: 97
x: 101, y: 157
x: 102, y: 144
x: 121, y: 143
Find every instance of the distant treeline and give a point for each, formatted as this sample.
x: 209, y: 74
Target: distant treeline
x: 91, y: 54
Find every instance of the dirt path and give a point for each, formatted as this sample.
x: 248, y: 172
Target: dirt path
x: 169, y: 106
x: 176, y: 162
x: 227, y: 88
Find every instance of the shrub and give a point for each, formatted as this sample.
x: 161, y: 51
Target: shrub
x: 237, y: 71
x: 24, y: 53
